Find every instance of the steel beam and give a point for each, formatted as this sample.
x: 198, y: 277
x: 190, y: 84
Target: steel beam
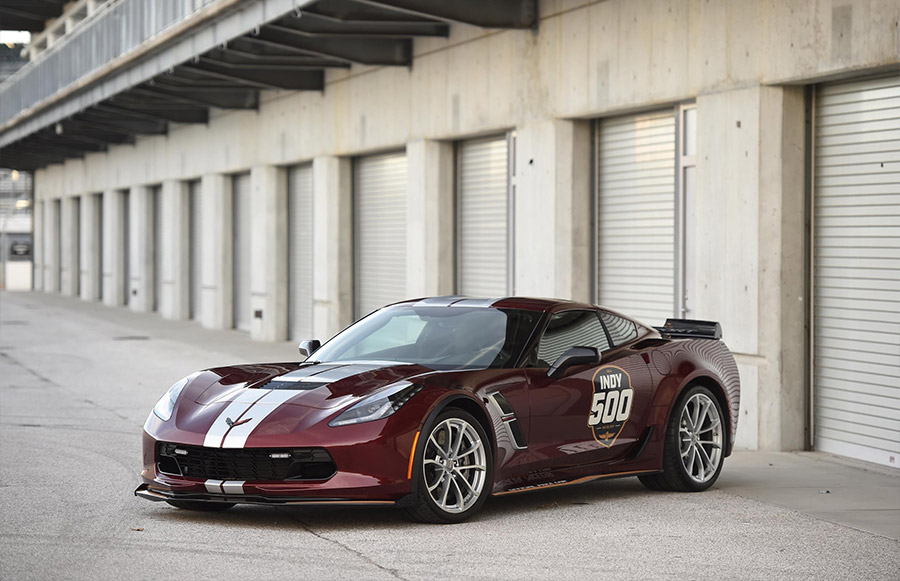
x: 289, y: 78
x: 367, y: 51
x: 491, y: 14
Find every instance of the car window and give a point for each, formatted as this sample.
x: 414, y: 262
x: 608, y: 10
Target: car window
x: 400, y: 330
x: 570, y: 329
x: 621, y: 330
x: 438, y: 337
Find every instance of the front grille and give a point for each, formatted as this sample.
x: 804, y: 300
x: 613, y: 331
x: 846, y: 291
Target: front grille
x: 251, y: 464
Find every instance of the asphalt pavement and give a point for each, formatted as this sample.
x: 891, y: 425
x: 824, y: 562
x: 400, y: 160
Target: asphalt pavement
x: 78, y: 379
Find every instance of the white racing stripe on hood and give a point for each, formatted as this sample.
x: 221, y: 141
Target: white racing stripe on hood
x: 233, y: 410
x: 237, y: 437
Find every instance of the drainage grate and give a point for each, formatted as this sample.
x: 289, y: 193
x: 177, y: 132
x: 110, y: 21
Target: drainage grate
x: 132, y: 338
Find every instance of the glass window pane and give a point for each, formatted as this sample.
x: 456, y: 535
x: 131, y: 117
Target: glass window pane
x: 570, y: 329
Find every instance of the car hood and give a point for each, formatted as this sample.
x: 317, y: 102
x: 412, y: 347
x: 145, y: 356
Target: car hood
x: 314, y: 385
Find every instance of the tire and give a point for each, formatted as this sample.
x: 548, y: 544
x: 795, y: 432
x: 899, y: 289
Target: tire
x: 694, y: 444
x: 454, y: 470
x: 201, y: 505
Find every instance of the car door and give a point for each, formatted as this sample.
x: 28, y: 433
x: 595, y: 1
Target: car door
x: 593, y: 413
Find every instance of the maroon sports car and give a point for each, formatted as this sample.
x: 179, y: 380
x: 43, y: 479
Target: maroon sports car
x: 433, y: 405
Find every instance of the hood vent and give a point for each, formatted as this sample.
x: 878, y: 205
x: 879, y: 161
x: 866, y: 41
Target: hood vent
x: 298, y: 385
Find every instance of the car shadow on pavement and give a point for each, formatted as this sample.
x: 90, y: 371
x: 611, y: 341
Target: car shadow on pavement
x: 343, y: 517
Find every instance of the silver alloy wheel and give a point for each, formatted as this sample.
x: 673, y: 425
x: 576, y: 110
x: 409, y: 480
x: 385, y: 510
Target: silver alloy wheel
x: 701, y: 438
x: 454, y: 463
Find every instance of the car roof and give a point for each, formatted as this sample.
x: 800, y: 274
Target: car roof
x: 522, y: 303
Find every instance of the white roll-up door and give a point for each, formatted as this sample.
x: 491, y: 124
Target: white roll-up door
x: 156, y: 222
x: 483, y: 257
x: 379, y: 185
x: 240, y: 188
x: 300, y: 253
x: 856, y: 270
x: 636, y: 215
x: 195, y: 201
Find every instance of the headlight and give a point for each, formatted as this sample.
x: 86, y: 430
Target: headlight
x: 379, y: 405
x: 165, y: 405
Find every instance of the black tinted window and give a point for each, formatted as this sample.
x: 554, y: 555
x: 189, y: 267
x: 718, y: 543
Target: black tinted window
x: 570, y: 329
x: 620, y: 330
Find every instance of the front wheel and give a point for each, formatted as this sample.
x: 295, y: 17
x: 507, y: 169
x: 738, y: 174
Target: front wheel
x: 694, y: 445
x: 454, y: 472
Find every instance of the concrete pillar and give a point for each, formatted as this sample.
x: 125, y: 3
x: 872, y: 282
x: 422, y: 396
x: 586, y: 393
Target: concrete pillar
x: 175, y: 248
x: 91, y: 269
x: 37, y: 250
x: 216, y: 262
x: 332, y: 245
x: 552, y: 218
x: 51, y: 245
x: 141, y: 259
x: 114, y: 245
x: 430, y: 218
x: 782, y: 270
x: 269, y: 249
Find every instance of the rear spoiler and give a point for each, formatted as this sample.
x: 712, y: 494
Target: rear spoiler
x: 690, y: 329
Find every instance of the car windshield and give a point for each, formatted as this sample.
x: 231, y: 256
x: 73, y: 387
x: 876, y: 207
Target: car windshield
x: 436, y: 337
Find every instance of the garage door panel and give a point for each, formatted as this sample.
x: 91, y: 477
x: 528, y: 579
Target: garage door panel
x: 380, y: 185
x: 851, y: 411
x: 836, y: 390
x: 300, y: 251
x: 856, y: 267
x: 483, y: 217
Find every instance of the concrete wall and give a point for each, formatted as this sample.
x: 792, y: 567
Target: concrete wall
x: 745, y: 63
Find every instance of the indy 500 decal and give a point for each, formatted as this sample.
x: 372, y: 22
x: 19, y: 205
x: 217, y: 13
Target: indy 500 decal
x: 611, y: 404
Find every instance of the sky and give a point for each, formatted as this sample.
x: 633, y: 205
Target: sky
x: 14, y: 36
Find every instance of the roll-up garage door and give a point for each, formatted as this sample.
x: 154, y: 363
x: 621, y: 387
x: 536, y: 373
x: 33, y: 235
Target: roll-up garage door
x: 300, y: 254
x: 483, y: 224
x: 240, y: 189
x: 195, y: 201
x: 380, y: 197
x: 156, y: 221
x: 636, y: 215
x: 856, y: 270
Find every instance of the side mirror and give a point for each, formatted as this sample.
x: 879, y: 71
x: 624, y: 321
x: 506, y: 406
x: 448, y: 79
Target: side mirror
x: 309, y: 347
x: 573, y: 356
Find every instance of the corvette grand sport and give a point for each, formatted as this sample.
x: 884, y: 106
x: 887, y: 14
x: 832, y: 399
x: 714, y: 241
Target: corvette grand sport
x: 433, y: 405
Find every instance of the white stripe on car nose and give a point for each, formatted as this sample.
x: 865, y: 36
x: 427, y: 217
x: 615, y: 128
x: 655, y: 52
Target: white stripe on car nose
x: 237, y: 436
x: 233, y: 410
x: 214, y: 486
x: 233, y: 487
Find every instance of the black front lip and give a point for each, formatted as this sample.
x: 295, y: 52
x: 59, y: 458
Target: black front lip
x: 158, y: 495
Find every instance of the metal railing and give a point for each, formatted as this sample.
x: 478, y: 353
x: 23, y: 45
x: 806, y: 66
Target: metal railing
x: 110, y: 32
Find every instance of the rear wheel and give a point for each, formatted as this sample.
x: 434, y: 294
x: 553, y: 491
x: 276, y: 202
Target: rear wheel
x: 454, y: 470
x: 694, y: 445
x: 201, y: 505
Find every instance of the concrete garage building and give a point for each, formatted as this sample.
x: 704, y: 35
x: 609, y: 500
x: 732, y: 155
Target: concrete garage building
x: 281, y: 167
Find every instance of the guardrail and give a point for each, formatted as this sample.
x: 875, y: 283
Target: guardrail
x: 110, y: 32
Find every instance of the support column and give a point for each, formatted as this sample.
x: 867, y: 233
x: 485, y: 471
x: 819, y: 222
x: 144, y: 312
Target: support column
x: 90, y: 267
x: 175, y: 248
x: 552, y: 218
x: 269, y: 252
x: 51, y: 245
x: 783, y: 392
x: 430, y: 218
x: 216, y: 262
x: 141, y: 284
x: 114, y: 247
x: 332, y: 245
